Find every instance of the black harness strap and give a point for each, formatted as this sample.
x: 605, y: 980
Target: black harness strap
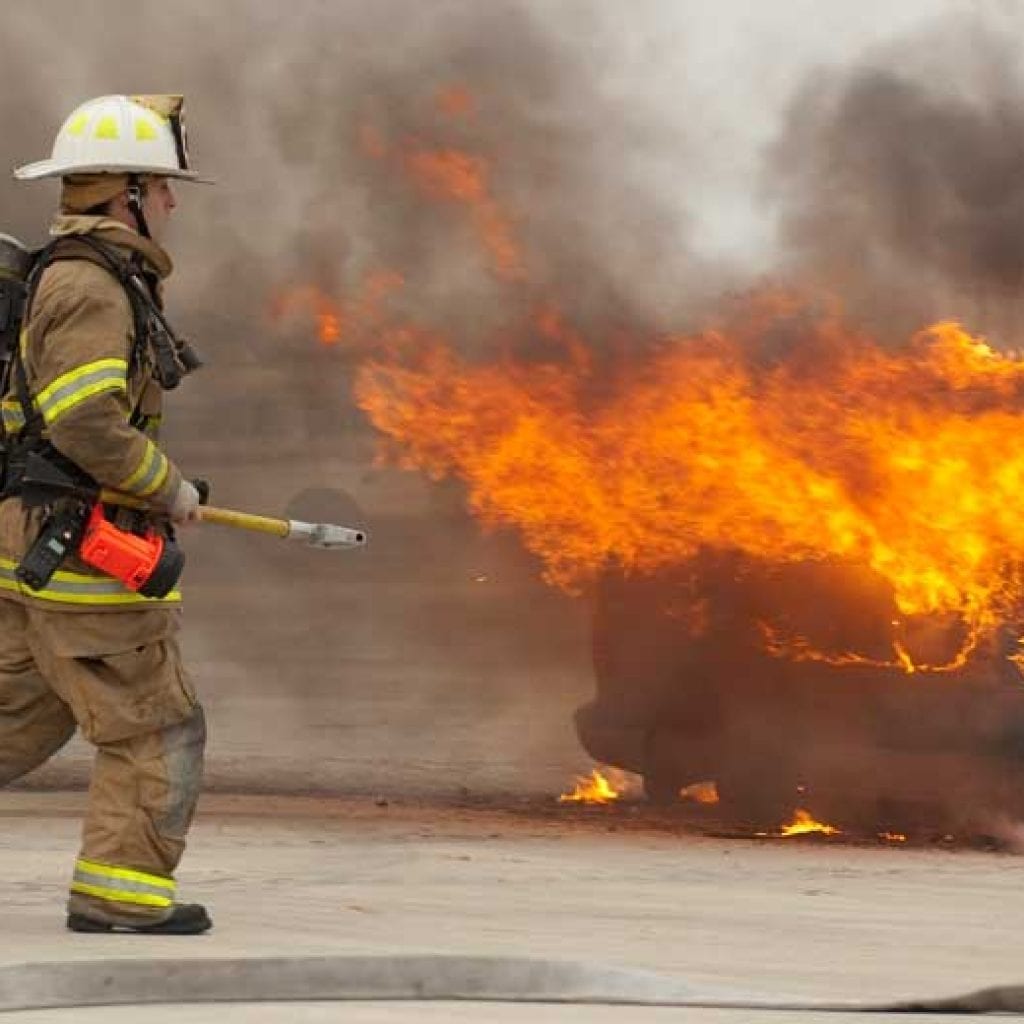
x: 140, y: 296
x: 33, y: 425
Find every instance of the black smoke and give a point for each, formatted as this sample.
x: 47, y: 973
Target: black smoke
x: 900, y: 180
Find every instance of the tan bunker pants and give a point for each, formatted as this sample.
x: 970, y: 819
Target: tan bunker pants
x: 118, y: 676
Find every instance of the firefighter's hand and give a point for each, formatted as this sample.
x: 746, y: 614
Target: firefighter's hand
x: 185, y: 507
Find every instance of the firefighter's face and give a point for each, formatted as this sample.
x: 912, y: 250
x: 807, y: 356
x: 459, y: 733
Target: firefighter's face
x: 158, y: 203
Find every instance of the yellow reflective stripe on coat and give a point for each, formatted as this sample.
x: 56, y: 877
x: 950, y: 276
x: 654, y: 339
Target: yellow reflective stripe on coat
x: 75, y: 386
x: 150, y: 426
x: 150, y: 474
x: 13, y: 418
x: 77, y: 588
x: 122, y: 885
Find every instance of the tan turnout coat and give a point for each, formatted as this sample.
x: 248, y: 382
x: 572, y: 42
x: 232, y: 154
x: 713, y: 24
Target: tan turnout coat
x: 77, y: 347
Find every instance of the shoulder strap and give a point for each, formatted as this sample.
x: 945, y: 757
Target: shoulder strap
x: 32, y: 418
x: 174, y: 358
x: 127, y: 273
x: 82, y: 247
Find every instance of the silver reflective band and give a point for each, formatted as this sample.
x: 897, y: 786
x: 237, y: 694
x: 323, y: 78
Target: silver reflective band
x: 121, y: 884
x: 154, y: 475
x: 86, y: 586
x: 111, y: 376
x: 76, y: 588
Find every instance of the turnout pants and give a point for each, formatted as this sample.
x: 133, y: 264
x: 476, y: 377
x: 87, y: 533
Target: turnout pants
x: 118, y: 677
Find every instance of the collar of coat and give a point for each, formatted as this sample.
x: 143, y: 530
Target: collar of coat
x: 117, y: 234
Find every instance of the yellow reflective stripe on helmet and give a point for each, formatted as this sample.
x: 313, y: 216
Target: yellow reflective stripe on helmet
x: 150, y: 475
x: 76, y: 126
x: 122, y: 885
x: 78, y: 588
x: 75, y: 386
x: 145, y: 130
x: 106, y: 128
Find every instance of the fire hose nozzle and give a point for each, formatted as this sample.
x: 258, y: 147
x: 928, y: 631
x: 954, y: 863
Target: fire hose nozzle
x: 315, y: 535
x: 325, y: 535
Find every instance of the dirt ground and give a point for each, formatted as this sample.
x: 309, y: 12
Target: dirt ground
x: 361, y: 876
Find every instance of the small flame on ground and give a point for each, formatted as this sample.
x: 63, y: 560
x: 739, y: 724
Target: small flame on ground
x: 700, y: 793
x: 803, y: 824
x: 892, y: 837
x: 594, y: 788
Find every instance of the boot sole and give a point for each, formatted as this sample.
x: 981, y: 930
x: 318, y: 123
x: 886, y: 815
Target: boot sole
x: 80, y: 923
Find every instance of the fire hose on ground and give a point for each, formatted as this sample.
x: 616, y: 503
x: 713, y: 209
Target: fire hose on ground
x: 138, y: 982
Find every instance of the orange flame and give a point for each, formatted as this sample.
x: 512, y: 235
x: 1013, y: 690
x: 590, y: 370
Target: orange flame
x: 456, y: 101
x: 595, y: 788
x: 460, y: 177
x: 892, y: 837
x: 803, y: 824
x: 308, y: 298
x: 359, y: 315
x: 781, y: 432
x: 450, y: 174
x: 897, y: 460
x: 798, y: 648
x: 700, y: 793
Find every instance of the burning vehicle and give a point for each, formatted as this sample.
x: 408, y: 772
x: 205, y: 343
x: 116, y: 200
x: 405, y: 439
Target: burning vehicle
x: 803, y: 544
x: 693, y: 682
x: 804, y: 549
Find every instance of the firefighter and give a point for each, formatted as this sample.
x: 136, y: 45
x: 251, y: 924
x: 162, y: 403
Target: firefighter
x: 86, y: 651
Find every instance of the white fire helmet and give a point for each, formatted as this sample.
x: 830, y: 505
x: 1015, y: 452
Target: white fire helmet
x: 119, y: 135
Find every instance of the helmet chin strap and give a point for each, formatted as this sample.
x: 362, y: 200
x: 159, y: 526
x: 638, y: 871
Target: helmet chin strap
x: 135, y: 205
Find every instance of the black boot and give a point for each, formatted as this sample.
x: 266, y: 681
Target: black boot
x: 185, y: 919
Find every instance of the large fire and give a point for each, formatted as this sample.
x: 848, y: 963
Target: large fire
x: 781, y: 431
x: 834, y: 448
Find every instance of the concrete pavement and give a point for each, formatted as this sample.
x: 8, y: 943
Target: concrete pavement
x: 346, y: 876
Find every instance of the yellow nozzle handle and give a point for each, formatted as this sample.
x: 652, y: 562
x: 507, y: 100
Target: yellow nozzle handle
x: 210, y: 514
x: 317, y: 535
x: 244, y: 521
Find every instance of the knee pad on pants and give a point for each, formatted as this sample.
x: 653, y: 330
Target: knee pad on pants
x: 183, y: 747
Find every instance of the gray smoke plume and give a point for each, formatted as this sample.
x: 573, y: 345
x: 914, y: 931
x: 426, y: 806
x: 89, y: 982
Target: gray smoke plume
x: 435, y: 658
x: 279, y: 97
x: 412, y: 646
x: 901, y: 180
